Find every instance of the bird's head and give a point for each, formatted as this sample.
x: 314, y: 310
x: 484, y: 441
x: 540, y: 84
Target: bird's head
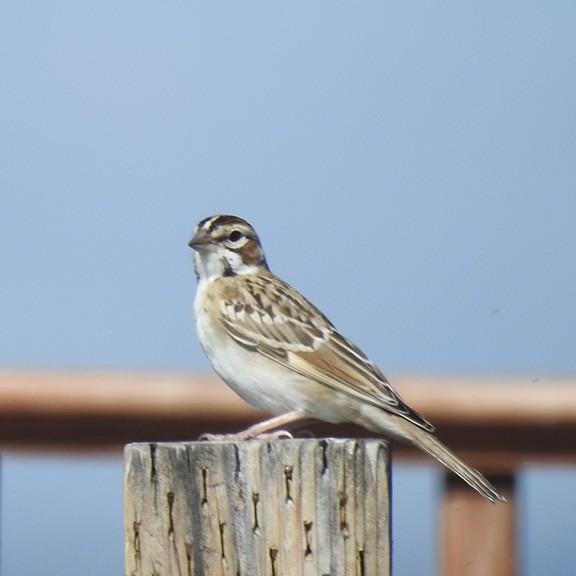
x: 226, y: 246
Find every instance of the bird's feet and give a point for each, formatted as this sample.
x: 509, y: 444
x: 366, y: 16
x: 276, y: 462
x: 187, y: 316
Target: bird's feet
x: 267, y: 430
x: 242, y: 436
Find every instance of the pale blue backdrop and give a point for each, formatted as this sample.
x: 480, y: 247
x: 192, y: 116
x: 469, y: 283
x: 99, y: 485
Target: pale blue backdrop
x: 410, y: 167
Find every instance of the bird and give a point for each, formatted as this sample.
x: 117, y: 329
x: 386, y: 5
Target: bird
x: 282, y: 355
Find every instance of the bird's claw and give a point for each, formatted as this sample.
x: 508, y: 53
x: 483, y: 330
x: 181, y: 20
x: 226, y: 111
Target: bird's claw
x: 242, y: 436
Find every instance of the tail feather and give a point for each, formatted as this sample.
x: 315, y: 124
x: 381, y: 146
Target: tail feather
x: 444, y: 455
x: 406, y: 431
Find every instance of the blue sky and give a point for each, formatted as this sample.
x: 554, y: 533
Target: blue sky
x: 411, y: 168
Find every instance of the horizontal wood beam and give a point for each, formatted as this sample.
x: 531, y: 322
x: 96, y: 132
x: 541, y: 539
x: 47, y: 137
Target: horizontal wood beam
x: 497, y: 422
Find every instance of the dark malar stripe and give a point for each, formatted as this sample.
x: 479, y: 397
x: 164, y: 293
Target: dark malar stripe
x: 228, y: 270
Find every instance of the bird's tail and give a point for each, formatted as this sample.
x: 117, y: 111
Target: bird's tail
x: 405, y: 430
x: 432, y: 446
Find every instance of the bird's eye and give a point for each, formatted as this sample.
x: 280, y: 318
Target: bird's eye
x: 235, y: 236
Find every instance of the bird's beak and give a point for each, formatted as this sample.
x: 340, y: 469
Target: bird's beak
x: 200, y: 240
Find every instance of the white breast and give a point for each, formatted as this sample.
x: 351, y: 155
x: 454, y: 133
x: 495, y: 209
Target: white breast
x: 261, y: 382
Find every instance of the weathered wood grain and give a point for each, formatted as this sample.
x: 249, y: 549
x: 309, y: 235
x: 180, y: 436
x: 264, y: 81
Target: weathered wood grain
x: 290, y: 508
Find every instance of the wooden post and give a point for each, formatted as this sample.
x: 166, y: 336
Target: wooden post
x: 317, y: 507
x: 479, y: 537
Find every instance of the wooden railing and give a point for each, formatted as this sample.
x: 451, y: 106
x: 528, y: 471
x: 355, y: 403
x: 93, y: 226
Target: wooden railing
x: 497, y: 424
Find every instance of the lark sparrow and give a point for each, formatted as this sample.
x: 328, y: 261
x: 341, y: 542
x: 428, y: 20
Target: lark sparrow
x: 280, y: 354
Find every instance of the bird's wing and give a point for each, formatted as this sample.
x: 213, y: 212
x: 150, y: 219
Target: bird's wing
x: 274, y: 320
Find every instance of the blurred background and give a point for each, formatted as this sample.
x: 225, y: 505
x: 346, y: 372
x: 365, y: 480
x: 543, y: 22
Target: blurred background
x: 410, y: 168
